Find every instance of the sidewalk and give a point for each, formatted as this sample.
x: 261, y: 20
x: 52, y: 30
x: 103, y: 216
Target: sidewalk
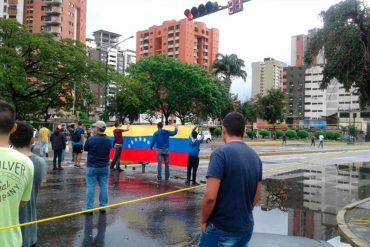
x: 350, y: 225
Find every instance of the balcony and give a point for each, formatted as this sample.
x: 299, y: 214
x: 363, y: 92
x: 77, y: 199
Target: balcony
x: 53, y: 2
x: 55, y: 30
x: 170, y: 39
x: 12, y: 11
x: 53, y: 10
x: 53, y: 20
x: 12, y: 3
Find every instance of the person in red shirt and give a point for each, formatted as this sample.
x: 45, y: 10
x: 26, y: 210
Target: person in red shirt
x: 118, y: 140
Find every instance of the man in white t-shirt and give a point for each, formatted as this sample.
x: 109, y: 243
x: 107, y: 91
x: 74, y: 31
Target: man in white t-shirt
x: 16, y: 178
x: 321, y: 139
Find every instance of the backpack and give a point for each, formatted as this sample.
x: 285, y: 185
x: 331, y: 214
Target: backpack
x: 76, y: 136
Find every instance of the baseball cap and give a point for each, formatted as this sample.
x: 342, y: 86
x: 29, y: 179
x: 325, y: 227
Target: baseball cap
x: 100, y: 125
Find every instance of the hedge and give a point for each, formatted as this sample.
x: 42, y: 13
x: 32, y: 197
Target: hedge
x: 291, y: 134
x: 264, y: 133
x: 302, y: 134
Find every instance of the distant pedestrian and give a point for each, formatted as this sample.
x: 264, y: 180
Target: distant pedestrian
x: 58, y: 143
x: 161, y: 139
x: 313, y: 141
x: 66, y: 133
x: 118, y: 144
x: 98, y: 148
x: 22, y: 140
x: 234, y: 183
x: 71, y: 130
x: 16, y: 178
x: 284, y: 139
x: 44, y: 134
x: 321, y: 139
x: 78, y: 139
x: 193, y: 159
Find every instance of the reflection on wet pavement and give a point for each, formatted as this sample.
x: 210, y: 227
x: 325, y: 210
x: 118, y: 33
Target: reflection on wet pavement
x: 300, y: 203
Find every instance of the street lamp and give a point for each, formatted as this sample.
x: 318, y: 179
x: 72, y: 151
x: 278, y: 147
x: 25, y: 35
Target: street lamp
x: 105, y: 115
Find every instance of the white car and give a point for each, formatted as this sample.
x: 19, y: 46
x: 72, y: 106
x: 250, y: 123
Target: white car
x: 207, y: 136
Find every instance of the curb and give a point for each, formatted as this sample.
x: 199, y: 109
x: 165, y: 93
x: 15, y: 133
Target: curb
x: 206, y: 157
x: 345, y: 231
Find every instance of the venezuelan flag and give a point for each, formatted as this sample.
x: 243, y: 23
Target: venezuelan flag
x: 136, y: 144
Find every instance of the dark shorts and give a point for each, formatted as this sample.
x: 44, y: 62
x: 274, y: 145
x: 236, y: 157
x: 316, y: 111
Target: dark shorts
x: 77, y: 149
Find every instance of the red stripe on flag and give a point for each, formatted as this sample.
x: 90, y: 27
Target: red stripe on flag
x: 147, y: 155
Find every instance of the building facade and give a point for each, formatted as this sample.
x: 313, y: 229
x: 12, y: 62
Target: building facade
x: 321, y: 103
x: 294, y: 79
x: 64, y: 19
x: 12, y: 9
x: 266, y: 75
x: 124, y: 59
x: 188, y: 41
x: 299, y: 45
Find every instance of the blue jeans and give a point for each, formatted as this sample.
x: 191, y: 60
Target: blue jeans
x: 163, y: 153
x: 94, y: 175
x: 216, y: 237
x: 44, y: 149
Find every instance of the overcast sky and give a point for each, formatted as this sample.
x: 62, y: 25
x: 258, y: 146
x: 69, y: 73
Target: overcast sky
x: 263, y: 29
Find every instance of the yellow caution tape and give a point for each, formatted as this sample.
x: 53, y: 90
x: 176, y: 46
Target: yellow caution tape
x: 362, y: 221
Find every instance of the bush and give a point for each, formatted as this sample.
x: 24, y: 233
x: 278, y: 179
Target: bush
x: 302, y: 134
x: 291, y: 134
x: 218, y: 132
x: 337, y: 135
x: 279, y: 134
x: 318, y: 133
x: 331, y: 135
x: 250, y: 134
x: 264, y: 133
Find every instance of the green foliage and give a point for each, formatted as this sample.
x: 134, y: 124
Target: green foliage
x: 229, y: 66
x: 337, y: 135
x: 250, y: 110
x: 318, y: 133
x: 279, y: 134
x: 330, y: 135
x: 264, y: 133
x: 271, y: 106
x: 175, y: 87
x: 352, y: 130
x: 302, y: 134
x: 291, y: 134
x: 345, y: 36
x: 38, y: 73
x: 251, y: 133
x: 218, y: 132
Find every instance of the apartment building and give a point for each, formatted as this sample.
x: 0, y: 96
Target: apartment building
x: 266, y: 75
x: 299, y: 47
x: 188, y: 41
x: 12, y: 9
x: 294, y: 89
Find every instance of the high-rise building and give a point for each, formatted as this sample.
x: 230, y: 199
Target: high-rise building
x: 188, y: 41
x: 299, y: 45
x: 294, y: 79
x: 266, y: 75
x: 322, y: 103
x: 124, y: 59
x: 64, y: 19
x: 12, y: 9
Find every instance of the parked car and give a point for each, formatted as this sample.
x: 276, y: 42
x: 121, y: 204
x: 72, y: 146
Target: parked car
x: 207, y: 136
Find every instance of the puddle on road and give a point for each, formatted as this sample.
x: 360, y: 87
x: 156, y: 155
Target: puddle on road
x: 298, y: 203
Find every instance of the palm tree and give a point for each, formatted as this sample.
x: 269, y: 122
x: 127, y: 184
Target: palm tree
x: 228, y: 66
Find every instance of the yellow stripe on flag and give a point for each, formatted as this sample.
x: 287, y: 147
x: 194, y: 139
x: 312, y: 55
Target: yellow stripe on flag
x: 148, y: 130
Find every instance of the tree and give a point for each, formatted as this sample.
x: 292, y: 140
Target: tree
x: 345, y: 41
x: 250, y: 110
x: 174, y: 87
x: 38, y: 73
x: 272, y: 106
x: 229, y: 66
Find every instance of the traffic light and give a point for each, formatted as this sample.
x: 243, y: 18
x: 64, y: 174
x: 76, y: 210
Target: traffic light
x: 235, y: 6
x: 202, y: 10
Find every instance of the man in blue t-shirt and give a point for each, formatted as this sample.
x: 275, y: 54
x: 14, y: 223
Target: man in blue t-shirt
x: 234, y: 180
x: 161, y: 139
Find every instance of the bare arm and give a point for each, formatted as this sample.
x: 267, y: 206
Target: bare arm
x: 209, y: 200
x: 22, y: 204
x: 257, y: 197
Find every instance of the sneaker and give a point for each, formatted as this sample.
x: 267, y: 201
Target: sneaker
x: 103, y: 211
x: 54, y: 168
x: 60, y: 168
x: 120, y: 170
x: 187, y: 182
x: 77, y: 166
x: 195, y: 183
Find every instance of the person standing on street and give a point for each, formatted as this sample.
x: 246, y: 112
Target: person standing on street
x: 17, y: 178
x: 71, y: 130
x: 118, y: 144
x: 312, y: 140
x: 44, y: 134
x: 58, y: 143
x: 98, y: 148
x: 234, y: 183
x: 321, y: 143
x: 78, y: 139
x: 22, y: 140
x: 193, y: 159
x: 284, y: 139
x: 161, y: 139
